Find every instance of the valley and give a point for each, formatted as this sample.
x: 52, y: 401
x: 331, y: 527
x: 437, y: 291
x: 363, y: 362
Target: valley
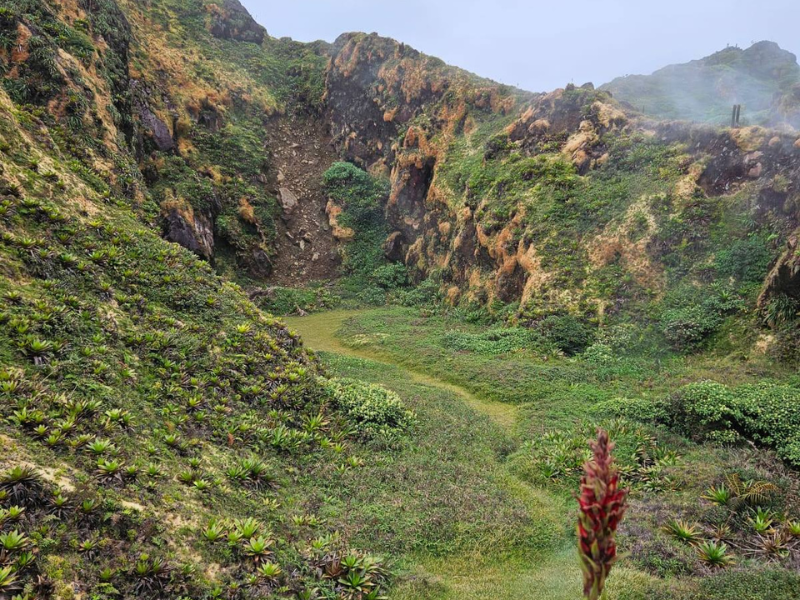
x: 505, y: 572
x: 403, y: 349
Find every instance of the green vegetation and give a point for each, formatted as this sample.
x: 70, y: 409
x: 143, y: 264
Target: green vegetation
x: 369, y: 275
x: 215, y: 123
x: 164, y: 436
x: 766, y: 413
x: 696, y: 508
x: 372, y: 409
x: 284, y: 301
x: 154, y: 398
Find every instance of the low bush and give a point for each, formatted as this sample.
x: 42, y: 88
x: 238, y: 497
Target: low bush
x: 749, y: 584
x: 391, y: 276
x: 498, y: 340
x: 765, y: 413
x: 372, y: 410
x: 284, y: 301
x: 744, y: 260
x: 426, y: 292
x: 362, y: 198
x: 786, y: 347
x: 638, y: 409
x: 362, y: 194
x: 568, y: 333
x: 695, y: 315
x: 686, y: 328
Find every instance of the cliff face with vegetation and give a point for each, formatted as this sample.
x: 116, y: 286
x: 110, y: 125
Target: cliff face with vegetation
x: 565, y: 204
x: 150, y: 411
x: 218, y: 135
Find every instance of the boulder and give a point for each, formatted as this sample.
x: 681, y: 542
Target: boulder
x: 288, y: 200
x: 159, y: 132
x: 193, y: 232
x: 394, y: 248
x: 231, y: 21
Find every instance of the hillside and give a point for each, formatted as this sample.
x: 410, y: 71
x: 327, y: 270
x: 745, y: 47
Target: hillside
x: 536, y: 265
x: 160, y: 433
x: 764, y: 78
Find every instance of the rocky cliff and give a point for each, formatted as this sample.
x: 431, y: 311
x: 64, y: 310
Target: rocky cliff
x: 218, y: 135
x: 562, y: 202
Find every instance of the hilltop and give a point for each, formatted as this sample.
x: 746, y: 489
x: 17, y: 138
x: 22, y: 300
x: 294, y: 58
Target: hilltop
x: 764, y: 78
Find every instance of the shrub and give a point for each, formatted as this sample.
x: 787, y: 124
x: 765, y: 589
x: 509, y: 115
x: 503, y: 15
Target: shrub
x: 766, y: 413
x: 638, y: 409
x: 694, y: 314
x: 770, y: 412
x: 702, y: 410
x: 686, y: 328
x: 372, y: 409
x: 787, y: 335
x: 284, y: 301
x: 428, y: 291
x: 372, y: 296
x: 749, y: 584
x: 790, y: 450
x: 599, y: 354
x: 498, y: 340
x: 362, y: 198
x: 744, y: 260
x: 567, y: 333
x: 390, y: 276
x: 361, y: 194
x: 780, y: 309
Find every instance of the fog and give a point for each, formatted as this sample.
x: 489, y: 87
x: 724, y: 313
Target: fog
x: 538, y: 45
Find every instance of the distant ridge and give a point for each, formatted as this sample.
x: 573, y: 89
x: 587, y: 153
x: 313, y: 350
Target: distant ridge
x: 764, y: 78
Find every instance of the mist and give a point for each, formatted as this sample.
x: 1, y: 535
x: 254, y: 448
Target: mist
x: 539, y: 46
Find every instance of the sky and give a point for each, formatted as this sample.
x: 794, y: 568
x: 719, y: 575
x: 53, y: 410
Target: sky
x: 539, y: 46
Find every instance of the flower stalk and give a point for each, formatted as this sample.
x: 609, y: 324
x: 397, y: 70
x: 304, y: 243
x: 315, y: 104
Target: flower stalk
x: 602, y: 506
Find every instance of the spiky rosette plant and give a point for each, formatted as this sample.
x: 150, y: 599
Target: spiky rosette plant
x: 602, y: 505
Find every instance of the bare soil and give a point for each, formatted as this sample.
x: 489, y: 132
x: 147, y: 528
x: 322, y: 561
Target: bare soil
x: 306, y: 248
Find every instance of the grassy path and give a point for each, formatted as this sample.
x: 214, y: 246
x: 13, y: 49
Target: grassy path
x: 481, y: 575
x: 319, y: 334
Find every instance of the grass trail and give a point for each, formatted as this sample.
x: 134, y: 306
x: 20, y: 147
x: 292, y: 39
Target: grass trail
x: 481, y: 574
x: 319, y: 333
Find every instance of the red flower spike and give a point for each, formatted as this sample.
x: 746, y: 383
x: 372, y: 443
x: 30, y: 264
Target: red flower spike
x: 602, y: 506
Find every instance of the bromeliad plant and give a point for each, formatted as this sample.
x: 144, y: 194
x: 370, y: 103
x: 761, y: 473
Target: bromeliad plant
x: 714, y: 554
x: 688, y: 533
x: 602, y: 506
x: 22, y: 486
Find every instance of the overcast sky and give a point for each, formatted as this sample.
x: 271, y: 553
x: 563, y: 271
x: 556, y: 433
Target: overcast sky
x: 540, y: 45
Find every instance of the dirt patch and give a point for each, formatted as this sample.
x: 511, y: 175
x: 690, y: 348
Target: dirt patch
x: 306, y: 247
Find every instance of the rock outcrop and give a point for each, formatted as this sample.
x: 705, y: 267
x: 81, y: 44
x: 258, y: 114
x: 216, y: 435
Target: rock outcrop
x: 230, y: 20
x: 193, y: 232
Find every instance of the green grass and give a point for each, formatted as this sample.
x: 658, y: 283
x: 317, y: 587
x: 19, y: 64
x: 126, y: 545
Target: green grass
x: 139, y: 384
x: 454, y: 391
x: 449, y: 503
